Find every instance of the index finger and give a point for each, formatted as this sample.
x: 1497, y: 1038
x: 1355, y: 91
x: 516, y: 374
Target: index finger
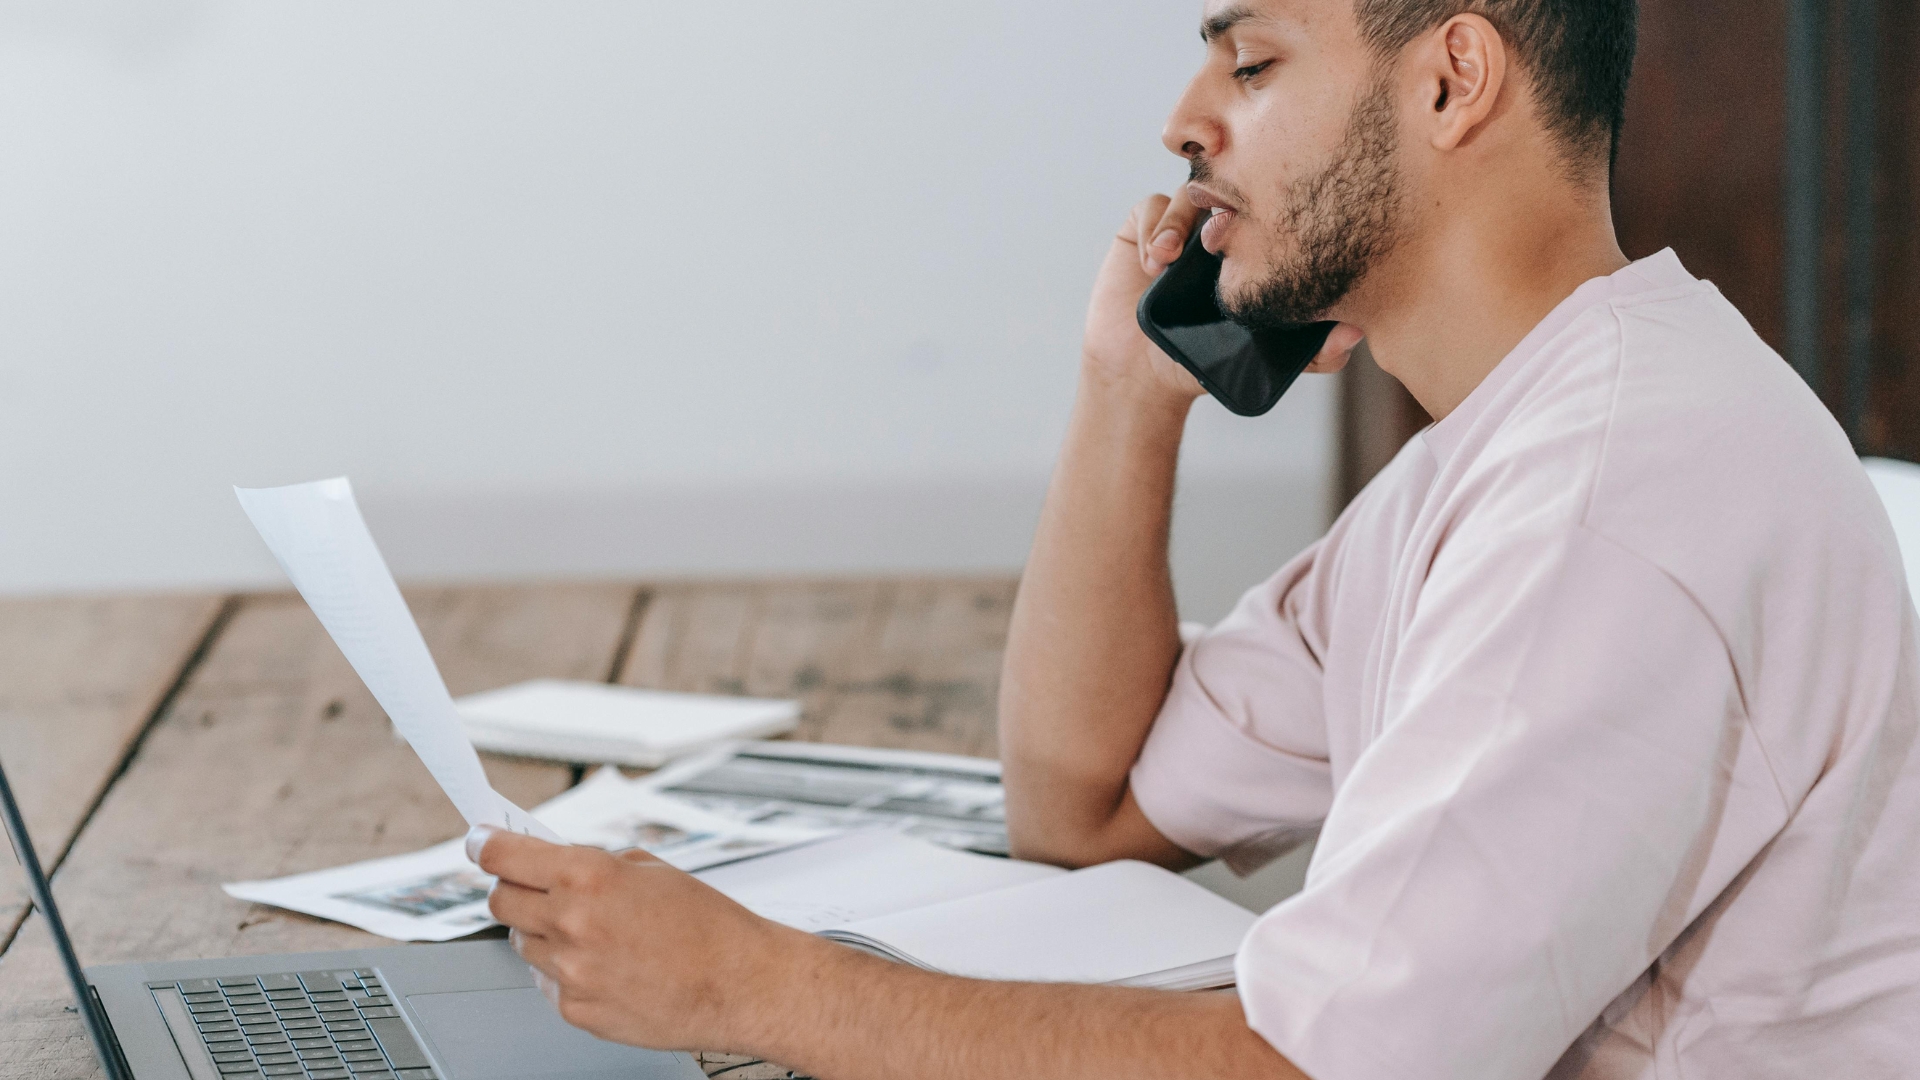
x: 1162, y: 241
x: 523, y: 860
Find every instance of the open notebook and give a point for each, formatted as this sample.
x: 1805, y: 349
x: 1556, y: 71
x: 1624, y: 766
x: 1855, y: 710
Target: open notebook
x: 1125, y: 923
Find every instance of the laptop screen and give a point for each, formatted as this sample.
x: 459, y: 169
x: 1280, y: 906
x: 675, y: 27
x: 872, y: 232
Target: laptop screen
x: 42, y: 893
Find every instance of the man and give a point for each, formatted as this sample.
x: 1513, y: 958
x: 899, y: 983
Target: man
x: 1601, y: 698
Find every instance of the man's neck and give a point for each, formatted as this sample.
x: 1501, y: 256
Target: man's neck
x: 1454, y: 302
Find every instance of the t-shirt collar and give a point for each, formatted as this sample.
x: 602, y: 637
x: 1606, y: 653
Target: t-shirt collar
x: 1661, y: 271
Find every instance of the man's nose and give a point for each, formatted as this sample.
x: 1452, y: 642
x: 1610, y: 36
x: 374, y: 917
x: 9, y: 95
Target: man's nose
x: 1192, y: 130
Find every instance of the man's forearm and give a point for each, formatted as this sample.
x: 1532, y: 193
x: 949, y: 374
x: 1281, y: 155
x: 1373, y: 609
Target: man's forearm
x: 849, y: 1016
x: 1095, y: 633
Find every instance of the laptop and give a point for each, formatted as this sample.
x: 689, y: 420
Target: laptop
x: 458, y: 1011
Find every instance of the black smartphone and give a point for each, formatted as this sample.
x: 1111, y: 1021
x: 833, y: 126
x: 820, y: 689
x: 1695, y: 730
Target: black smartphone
x: 1246, y: 370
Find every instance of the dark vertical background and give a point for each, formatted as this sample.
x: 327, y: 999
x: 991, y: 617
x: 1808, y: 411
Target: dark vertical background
x: 1702, y: 170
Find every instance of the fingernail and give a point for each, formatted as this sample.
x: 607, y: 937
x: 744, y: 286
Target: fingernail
x: 1168, y: 240
x: 548, y: 988
x: 477, y: 838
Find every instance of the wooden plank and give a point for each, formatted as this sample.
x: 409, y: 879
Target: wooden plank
x: 694, y: 637
x: 930, y: 678
x: 81, y: 679
x: 907, y: 663
x: 807, y: 638
x: 274, y: 760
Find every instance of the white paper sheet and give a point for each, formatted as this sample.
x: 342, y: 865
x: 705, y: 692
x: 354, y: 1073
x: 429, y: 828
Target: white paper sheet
x: 1117, y: 922
x: 863, y: 875
x: 437, y: 895
x: 316, y: 532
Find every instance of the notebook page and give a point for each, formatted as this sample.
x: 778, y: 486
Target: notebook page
x: 863, y: 875
x: 1120, y: 920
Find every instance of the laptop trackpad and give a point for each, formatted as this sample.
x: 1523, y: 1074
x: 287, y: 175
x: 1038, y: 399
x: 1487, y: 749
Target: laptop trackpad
x: 517, y: 1035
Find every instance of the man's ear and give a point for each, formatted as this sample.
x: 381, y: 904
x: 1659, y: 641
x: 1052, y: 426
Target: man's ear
x: 1464, y: 68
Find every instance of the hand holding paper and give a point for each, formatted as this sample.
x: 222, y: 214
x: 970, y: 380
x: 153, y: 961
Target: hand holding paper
x: 316, y: 532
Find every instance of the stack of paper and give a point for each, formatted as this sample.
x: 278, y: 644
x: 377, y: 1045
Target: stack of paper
x: 581, y: 721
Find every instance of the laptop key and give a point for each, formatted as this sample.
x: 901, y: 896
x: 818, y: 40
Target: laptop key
x: 385, y: 1010
x: 312, y: 1044
x: 414, y: 1074
x: 237, y: 980
x: 398, y: 1042
x: 281, y: 1070
x: 236, y: 1066
x: 327, y: 1074
x: 363, y: 1055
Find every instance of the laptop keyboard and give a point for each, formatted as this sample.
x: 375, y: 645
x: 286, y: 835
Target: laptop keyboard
x: 323, y: 1025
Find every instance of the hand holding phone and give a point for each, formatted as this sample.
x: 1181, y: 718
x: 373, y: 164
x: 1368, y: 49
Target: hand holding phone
x: 1245, y: 370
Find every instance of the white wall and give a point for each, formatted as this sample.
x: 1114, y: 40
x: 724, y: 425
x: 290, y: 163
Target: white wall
x: 581, y: 287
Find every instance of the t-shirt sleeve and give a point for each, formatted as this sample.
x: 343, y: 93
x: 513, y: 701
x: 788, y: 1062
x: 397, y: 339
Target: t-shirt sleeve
x: 1524, y: 836
x: 1236, y: 763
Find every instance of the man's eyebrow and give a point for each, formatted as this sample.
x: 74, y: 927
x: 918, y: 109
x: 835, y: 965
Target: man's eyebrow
x: 1223, y: 21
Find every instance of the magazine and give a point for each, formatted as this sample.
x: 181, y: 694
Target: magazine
x: 946, y: 799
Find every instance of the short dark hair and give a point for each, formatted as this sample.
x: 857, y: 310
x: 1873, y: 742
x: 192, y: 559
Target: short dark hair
x: 1578, y: 53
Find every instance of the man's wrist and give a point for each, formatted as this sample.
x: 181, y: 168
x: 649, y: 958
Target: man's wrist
x: 1142, y: 397
x: 791, y: 975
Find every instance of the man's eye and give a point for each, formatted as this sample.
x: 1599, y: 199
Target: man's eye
x: 1251, y: 70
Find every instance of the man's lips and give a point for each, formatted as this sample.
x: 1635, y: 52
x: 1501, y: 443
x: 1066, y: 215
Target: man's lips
x: 1213, y: 234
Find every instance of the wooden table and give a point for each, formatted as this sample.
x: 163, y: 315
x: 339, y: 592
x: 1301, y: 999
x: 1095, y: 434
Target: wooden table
x: 164, y: 744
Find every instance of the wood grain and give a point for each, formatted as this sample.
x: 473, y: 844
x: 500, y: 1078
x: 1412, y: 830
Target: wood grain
x: 897, y: 663
x: 273, y: 760
x: 930, y: 680
x: 80, y: 679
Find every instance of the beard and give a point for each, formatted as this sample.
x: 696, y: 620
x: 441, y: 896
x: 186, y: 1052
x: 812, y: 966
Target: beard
x: 1341, y: 221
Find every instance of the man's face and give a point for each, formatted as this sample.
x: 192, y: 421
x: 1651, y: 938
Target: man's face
x: 1290, y: 129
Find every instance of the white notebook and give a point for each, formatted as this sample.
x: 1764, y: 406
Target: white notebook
x: 564, y: 720
x: 1126, y: 923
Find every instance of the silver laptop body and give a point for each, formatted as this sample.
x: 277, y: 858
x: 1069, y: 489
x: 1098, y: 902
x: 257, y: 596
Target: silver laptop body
x: 458, y: 1011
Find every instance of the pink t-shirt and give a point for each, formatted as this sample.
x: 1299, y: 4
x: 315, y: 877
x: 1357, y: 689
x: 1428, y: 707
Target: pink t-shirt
x: 1602, y: 701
